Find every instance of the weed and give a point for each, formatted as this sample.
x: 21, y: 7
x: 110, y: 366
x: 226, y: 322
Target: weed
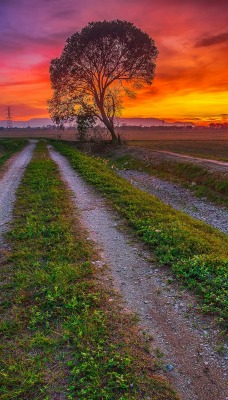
x: 135, y: 318
x: 158, y: 353
x: 221, y: 349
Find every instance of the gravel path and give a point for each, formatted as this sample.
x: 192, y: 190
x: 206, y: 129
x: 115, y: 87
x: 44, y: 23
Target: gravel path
x: 192, y: 366
x: 9, y: 184
x: 179, y: 198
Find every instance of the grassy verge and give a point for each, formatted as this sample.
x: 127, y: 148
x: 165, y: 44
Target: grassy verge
x: 62, y: 337
x: 196, y: 252
x: 214, y: 186
x: 8, y: 147
x: 211, y: 149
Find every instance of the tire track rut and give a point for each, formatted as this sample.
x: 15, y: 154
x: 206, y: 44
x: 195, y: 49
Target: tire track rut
x: 9, y: 184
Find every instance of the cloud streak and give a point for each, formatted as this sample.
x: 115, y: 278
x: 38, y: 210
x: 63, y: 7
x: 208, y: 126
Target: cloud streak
x: 212, y: 40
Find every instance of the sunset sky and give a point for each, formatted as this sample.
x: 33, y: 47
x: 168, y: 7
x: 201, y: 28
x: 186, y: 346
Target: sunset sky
x: 191, y: 81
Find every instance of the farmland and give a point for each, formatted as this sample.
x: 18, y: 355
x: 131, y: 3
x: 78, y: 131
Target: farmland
x: 210, y: 149
x: 169, y: 134
x: 129, y: 134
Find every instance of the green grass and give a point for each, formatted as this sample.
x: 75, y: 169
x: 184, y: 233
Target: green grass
x: 211, y: 149
x: 61, y: 336
x: 213, y: 186
x: 8, y: 147
x: 196, y: 252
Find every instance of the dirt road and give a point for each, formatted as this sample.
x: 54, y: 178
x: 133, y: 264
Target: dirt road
x: 9, y: 183
x: 179, y: 198
x: 186, y: 340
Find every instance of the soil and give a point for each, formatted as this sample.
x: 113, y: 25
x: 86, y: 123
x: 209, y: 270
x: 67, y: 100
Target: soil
x: 10, y: 178
x: 185, y: 340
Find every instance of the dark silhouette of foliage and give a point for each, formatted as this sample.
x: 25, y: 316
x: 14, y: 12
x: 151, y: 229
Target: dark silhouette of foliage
x: 98, y: 66
x: 84, y: 122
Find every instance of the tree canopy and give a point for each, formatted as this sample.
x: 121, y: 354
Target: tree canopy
x: 98, y: 66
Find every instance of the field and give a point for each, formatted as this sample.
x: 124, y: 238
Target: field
x: 210, y: 149
x: 134, y: 134
x: 169, y: 134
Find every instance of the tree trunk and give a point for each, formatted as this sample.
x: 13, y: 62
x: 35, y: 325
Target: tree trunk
x: 111, y: 130
x: 120, y: 141
x: 108, y: 123
x: 113, y: 134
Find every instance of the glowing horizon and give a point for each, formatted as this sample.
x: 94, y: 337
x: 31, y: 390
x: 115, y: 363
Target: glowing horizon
x: 191, y: 81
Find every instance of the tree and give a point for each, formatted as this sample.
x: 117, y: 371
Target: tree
x: 98, y: 66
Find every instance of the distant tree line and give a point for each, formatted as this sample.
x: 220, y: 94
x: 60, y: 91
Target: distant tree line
x: 154, y: 127
x: 218, y: 125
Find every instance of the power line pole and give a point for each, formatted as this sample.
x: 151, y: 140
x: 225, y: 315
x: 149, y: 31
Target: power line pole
x: 9, y: 117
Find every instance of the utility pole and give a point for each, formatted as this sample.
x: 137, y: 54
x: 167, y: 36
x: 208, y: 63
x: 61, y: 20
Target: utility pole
x: 9, y: 117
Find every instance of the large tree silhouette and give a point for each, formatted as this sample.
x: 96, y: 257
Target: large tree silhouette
x: 98, y: 66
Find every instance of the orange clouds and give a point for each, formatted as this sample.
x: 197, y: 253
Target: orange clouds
x: 191, y: 78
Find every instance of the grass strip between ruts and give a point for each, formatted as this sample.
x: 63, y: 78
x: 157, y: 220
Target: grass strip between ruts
x: 10, y: 146
x: 61, y: 337
x: 196, y: 252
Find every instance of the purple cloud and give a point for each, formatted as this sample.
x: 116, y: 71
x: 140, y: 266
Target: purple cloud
x: 212, y: 40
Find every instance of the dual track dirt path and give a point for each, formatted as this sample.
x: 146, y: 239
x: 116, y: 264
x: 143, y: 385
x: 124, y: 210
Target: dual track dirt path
x: 197, y: 372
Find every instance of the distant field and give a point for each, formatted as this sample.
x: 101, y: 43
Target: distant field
x: 211, y: 149
x: 37, y: 133
x: 184, y: 134
x: 129, y: 133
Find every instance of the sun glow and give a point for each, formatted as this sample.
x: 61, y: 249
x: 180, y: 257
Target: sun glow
x: 191, y: 75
